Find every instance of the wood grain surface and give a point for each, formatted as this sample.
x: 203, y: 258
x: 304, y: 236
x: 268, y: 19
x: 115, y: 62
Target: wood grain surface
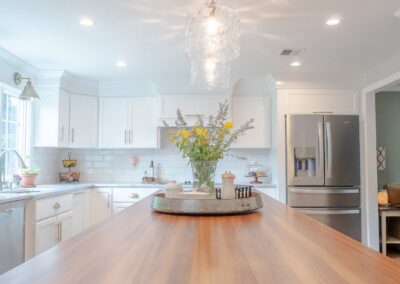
x: 275, y: 245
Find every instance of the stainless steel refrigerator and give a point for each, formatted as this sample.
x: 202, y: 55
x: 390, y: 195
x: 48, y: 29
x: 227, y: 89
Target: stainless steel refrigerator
x: 323, y: 169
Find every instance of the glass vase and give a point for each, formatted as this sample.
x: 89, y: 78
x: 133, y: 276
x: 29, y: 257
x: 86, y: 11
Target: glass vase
x: 203, y: 175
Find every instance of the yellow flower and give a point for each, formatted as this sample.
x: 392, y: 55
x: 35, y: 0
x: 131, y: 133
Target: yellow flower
x: 172, y: 139
x: 201, y: 132
x: 185, y: 133
x: 228, y: 125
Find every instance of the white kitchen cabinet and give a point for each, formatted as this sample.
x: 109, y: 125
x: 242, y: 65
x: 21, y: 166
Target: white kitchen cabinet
x: 101, y: 204
x: 144, y: 122
x: 65, y: 221
x: 129, y: 122
x: 46, y: 234
x: 114, y: 123
x: 80, y: 211
x: 119, y: 207
x: 66, y: 120
x: 258, y: 108
x: 83, y: 121
x: 52, y: 231
x: 328, y: 101
x: 52, y: 119
x: 270, y: 191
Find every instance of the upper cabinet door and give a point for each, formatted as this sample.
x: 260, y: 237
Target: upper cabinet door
x: 114, y: 123
x: 83, y: 121
x: 63, y: 119
x: 144, y: 122
x: 258, y: 108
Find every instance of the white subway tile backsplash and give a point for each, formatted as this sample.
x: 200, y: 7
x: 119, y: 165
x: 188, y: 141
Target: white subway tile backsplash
x: 98, y: 165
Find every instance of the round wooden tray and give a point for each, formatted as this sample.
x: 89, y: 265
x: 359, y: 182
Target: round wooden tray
x: 206, y: 206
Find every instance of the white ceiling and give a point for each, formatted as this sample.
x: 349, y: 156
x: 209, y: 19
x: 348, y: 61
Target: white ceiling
x: 149, y: 36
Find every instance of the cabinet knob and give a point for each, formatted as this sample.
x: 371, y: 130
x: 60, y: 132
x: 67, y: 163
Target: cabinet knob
x: 134, y: 195
x: 56, y: 205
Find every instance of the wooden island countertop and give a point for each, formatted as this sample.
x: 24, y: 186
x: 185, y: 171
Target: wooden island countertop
x: 274, y: 245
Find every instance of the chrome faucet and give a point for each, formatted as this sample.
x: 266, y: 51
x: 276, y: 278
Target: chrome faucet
x: 2, y: 155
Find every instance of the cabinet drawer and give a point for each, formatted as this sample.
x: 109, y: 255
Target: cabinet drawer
x: 52, y: 206
x: 131, y: 194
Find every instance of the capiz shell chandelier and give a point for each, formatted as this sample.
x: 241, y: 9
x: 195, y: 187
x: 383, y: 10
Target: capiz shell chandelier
x: 212, y: 41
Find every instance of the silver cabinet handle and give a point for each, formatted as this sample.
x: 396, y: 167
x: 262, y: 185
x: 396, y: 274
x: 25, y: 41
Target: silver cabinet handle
x: 130, y: 136
x: 329, y: 212
x: 329, y: 149
x: 57, y: 239
x: 324, y: 191
x: 72, y: 135
x: 108, y: 200
x: 134, y: 195
x: 126, y: 131
x: 62, y: 133
x: 320, y: 147
x: 61, y: 236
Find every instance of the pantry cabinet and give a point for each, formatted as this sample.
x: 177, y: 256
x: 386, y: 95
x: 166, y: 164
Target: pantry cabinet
x: 258, y: 108
x: 129, y: 122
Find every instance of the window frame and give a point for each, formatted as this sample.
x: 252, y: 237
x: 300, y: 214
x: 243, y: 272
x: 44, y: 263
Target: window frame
x: 24, y: 122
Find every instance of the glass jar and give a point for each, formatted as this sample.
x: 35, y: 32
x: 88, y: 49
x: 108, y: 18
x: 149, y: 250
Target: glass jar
x: 383, y: 198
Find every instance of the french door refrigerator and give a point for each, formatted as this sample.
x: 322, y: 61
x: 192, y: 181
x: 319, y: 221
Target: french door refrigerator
x: 323, y: 169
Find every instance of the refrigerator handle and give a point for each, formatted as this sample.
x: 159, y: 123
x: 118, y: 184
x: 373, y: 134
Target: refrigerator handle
x: 328, y: 150
x: 329, y: 212
x: 320, y: 144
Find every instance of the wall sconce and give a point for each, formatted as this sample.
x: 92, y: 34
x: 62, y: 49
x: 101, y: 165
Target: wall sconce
x: 29, y: 93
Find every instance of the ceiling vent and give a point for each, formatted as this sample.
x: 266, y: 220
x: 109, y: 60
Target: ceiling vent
x: 293, y: 51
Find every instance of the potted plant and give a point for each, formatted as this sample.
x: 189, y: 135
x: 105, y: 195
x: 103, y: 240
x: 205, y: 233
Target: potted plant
x: 206, y: 143
x: 28, y: 177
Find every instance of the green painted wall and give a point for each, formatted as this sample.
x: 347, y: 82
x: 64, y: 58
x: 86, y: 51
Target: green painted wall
x: 388, y: 134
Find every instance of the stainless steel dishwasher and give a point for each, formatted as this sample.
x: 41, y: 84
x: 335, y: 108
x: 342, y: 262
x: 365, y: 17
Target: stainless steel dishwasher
x: 12, y: 233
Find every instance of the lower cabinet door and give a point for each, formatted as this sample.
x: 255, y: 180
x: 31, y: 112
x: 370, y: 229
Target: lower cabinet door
x: 46, y: 234
x: 101, y: 204
x: 80, y: 212
x: 65, y: 223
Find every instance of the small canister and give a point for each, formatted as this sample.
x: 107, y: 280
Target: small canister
x: 228, y: 186
x: 173, y: 190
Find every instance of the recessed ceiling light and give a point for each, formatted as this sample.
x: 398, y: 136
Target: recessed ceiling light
x: 333, y: 22
x: 120, y: 63
x: 295, y: 64
x: 278, y: 83
x: 86, y: 22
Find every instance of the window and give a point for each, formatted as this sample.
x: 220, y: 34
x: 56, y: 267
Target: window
x: 15, y: 127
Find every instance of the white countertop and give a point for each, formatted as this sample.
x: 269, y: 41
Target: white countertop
x: 43, y: 191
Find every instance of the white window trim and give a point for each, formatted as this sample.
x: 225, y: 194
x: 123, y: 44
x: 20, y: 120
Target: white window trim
x: 24, y: 146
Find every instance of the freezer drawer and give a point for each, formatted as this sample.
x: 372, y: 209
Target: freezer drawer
x: 323, y: 197
x: 344, y: 220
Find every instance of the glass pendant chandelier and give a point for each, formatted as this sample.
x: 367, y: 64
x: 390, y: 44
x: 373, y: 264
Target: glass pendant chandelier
x: 212, y: 41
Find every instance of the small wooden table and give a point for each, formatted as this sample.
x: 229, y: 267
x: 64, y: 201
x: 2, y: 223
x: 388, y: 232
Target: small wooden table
x: 384, y: 213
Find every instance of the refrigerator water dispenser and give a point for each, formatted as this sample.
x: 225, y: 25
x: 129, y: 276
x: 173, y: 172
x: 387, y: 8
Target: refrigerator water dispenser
x: 304, y: 161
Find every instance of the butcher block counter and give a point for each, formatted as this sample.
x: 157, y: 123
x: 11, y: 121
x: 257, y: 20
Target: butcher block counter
x: 275, y: 245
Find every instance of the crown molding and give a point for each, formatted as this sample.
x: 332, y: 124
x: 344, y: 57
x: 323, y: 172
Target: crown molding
x: 17, y: 62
